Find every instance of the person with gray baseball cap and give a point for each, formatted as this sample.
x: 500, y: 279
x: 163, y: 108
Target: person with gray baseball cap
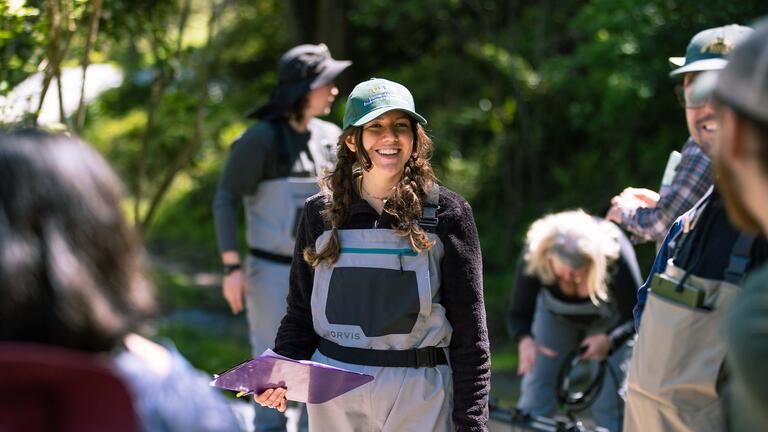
x: 740, y: 94
x: 678, y: 371
x: 272, y: 168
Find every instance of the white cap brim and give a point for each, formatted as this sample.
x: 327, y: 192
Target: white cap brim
x: 699, y: 66
x: 381, y: 110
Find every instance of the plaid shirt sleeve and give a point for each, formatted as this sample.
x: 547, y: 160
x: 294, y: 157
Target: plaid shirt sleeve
x: 692, y: 179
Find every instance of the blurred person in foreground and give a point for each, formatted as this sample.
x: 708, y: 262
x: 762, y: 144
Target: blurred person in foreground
x: 648, y: 214
x: 71, y: 275
x: 576, y: 284
x: 741, y: 167
x: 272, y: 168
x: 678, y: 376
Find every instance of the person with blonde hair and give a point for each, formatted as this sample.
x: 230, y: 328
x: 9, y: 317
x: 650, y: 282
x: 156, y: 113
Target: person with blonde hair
x: 575, y: 289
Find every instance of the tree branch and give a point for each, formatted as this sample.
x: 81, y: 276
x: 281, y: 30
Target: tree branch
x: 190, y: 150
x: 89, y: 42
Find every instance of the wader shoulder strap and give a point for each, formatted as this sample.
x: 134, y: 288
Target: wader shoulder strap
x: 280, y: 143
x: 428, y: 221
x: 686, y: 233
x: 740, y: 258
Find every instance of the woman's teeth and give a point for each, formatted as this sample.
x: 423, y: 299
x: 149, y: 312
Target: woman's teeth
x: 388, y: 152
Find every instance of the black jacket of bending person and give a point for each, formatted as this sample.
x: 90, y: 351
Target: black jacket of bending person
x: 622, y: 286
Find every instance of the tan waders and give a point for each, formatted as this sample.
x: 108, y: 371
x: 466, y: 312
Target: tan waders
x: 676, y: 369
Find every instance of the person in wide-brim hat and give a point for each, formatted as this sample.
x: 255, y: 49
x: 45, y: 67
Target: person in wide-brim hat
x: 301, y: 69
x: 272, y: 168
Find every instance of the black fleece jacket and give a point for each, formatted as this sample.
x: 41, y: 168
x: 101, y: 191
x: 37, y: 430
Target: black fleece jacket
x: 461, y: 296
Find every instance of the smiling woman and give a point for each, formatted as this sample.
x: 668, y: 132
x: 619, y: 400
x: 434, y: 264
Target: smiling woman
x: 386, y: 280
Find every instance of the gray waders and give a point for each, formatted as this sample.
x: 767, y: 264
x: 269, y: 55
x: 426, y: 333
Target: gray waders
x: 676, y: 371
x: 272, y: 215
x: 271, y: 218
x: 553, y: 329
x: 377, y: 311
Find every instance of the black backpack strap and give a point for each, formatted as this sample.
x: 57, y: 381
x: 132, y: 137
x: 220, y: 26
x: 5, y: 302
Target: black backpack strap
x: 686, y: 233
x: 428, y: 221
x: 740, y: 258
x: 282, y: 153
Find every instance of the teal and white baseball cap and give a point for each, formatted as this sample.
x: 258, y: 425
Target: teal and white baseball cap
x: 374, y: 97
x: 708, y: 49
x: 743, y: 83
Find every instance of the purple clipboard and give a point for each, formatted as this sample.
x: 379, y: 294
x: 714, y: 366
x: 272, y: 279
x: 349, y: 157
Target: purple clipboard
x: 305, y: 381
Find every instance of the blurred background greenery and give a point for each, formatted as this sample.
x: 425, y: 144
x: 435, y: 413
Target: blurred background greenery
x: 535, y: 106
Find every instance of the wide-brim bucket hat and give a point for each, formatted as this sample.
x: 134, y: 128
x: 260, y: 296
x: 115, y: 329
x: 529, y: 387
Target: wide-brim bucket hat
x: 301, y: 69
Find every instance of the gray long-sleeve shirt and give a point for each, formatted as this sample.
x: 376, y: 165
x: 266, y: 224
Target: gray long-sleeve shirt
x: 265, y: 151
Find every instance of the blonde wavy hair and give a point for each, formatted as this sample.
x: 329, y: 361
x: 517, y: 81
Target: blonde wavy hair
x: 578, y: 239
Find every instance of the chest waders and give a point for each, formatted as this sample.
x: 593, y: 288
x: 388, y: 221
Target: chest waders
x: 271, y: 215
x: 598, y: 317
x: 677, y: 365
x: 377, y: 311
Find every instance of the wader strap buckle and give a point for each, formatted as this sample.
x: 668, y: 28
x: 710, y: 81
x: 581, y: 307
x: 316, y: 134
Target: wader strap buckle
x: 423, y: 358
x: 428, y: 220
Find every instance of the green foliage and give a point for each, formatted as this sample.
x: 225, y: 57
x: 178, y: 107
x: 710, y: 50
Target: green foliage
x: 22, y: 35
x: 534, y: 106
x: 198, y: 321
x: 210, y: 352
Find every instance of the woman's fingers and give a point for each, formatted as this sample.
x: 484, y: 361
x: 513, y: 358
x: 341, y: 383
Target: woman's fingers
x: 547, y: 351
x: 261, y: 399
x: 527, y: 361
x: 276, y: 397
x: 272, y: 398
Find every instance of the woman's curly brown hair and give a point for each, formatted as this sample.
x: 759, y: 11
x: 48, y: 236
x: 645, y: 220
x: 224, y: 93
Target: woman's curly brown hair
x: 404, y: 204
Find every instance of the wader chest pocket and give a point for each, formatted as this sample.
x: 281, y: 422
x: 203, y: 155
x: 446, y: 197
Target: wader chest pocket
x: 670, y: 289
x: 379, y: 301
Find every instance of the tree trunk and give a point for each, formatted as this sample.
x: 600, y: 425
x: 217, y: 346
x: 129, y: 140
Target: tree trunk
x: 302, y: 21
x: 190, y: 150
x: 51, y: 61
x: 141, y: 170
x: 62, y: 116
x: 89, y: 42
x: 331, y: 30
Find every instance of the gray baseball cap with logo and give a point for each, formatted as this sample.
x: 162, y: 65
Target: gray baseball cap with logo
x: 743, y: 83
x: 708, y: 49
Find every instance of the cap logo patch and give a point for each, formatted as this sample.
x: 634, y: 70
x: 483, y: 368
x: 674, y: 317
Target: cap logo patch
x: 378, y: 93
x: 718, y: 46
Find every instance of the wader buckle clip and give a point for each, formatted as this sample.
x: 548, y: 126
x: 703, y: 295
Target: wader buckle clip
x: 425, y: 357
